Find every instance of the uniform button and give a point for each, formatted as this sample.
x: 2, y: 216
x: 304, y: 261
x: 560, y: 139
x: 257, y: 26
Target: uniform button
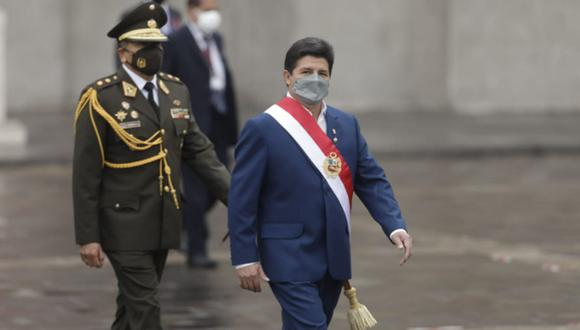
x: 117, y: 205
x: 162, y: 131
x: 166, y: 189
x: 165, y: 150
x: 184, y: 131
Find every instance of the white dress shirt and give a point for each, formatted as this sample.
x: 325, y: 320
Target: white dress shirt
x: 321, y: 121
x: 217, y: 81
x: 140, y: 82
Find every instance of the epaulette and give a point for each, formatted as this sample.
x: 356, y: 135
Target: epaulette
x: 105, y: 82
x: 169, y: 77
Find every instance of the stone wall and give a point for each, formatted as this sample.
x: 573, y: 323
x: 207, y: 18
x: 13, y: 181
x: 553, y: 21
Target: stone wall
x: 473, y: 56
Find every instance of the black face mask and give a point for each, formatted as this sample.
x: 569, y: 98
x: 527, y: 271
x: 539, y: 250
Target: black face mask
x: 147, y: 60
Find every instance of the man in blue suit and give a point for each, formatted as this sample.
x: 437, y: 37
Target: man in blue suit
x: 297, y: 167
x: 195, y: 54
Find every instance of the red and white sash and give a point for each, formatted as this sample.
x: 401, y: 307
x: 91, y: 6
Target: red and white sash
x: 318, y: 147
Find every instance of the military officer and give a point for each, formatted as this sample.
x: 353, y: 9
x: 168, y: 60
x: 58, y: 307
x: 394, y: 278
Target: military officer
x: 132, y: 131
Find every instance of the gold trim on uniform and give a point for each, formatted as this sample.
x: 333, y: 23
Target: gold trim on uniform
x: 163, y: 87
x: 89, y: 101
x: 129, y: 90
x: 332, y: 165
x: 146, y: 34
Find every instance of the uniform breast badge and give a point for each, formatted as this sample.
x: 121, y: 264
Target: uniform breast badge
x: 121, y: 115
x: 129, y: 90
x: 332, y: 165
x: 134, y: 114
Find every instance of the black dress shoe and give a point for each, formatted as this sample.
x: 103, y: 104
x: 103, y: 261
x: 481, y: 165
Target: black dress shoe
x: 201, y: 262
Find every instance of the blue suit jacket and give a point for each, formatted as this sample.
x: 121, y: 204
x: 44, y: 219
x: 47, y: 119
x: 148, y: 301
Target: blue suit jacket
x: 283, y: 213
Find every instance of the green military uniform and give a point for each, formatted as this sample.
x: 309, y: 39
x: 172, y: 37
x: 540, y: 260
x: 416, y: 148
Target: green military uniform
x: 126, y: 173
x: 129, y: 199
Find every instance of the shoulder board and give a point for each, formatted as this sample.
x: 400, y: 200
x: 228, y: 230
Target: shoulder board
x: 105, y: 82
x: 169, y: 77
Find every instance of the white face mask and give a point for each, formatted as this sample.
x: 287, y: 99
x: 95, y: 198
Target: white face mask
x: 209, y: 21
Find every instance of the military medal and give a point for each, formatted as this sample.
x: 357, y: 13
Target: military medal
x: 179, y: 113
x: 121, y: 115
x: 134, y: 114
x: 125, y: 105
x: 332, y: 165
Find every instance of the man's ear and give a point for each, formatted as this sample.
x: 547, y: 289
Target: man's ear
x: 286, y: 76
x: 120, y: 54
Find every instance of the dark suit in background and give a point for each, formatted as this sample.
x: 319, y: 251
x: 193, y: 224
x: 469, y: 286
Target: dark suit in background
x: 216, y: 114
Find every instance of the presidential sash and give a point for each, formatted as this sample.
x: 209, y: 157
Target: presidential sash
x: 318, y: 147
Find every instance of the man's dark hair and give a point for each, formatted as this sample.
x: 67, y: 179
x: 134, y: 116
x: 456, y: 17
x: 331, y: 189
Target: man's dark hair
x: 193, y: 3
x: 309, y: 46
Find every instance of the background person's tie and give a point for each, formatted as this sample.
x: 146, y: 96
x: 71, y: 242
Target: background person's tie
x: 206, y: 54
x: 218, y: 98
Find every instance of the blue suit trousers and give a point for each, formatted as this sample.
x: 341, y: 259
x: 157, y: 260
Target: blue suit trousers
x: 307, y: 305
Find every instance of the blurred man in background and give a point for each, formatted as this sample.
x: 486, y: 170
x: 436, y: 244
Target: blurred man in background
x: 195, y: 53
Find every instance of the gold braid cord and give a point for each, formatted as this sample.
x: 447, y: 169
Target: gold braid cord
x: 90, y: 98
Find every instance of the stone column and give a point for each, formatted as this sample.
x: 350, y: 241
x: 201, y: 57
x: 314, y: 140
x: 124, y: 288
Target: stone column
x: 12, y: 132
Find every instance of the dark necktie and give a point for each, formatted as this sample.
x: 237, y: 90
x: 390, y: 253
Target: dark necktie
x: 218, y: 98
x: 150, y: 88
x: 205, y: 52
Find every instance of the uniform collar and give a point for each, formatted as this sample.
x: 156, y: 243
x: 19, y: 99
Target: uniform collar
x: 140, y: 82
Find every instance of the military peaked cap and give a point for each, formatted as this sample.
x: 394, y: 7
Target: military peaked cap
x: 142, y: 24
